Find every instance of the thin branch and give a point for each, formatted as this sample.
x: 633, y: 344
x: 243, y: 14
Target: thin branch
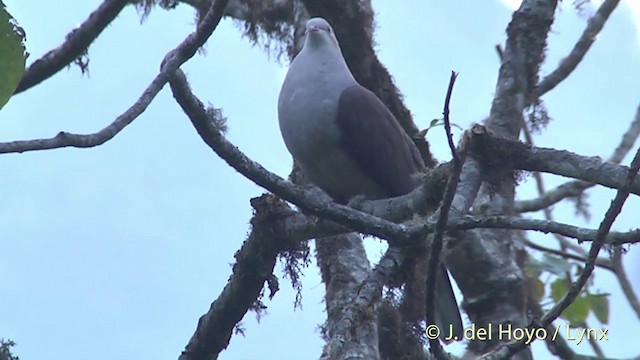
x: 253, y: 171
x: 605, y: 226
x: 558, y: 346
x: 625, y: 284
x: 433, y: 265
x: 601, y: 262
x: 576, y: 187
x: 76, y: 44
x: 564, y: 244
x: 447, y: 122
x: 596, y: 246
x: 588, y: 37
x: 183, y: 52
x: 516, y: 223
x: 595, y: 344
x: 301, y: 227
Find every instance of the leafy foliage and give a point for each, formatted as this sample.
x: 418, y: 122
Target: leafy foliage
x: 584, y: 304
x: 12, y: 54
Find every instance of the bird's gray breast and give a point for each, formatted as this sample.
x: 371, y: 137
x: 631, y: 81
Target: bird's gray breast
x: 307, y: 109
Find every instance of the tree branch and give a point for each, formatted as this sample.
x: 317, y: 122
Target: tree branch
x: 588, y: 37
x: 560, y: 162
x: 601, y: 262
x: 625, y: 284
x: 254, y: 265
x: 76, y: 44
x: 183, y: 52
x: 576, y: 187
x: 596, y: 246
x: 433, y: 265
x: 490, y: 296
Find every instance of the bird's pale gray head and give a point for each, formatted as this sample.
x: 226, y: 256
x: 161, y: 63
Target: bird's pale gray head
x: 320, y: 33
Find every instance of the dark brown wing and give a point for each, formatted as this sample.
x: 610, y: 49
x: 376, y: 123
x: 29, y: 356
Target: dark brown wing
x: 372, y: 136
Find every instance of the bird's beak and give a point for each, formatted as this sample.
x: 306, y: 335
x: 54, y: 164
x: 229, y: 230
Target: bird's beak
x: 312, y: 28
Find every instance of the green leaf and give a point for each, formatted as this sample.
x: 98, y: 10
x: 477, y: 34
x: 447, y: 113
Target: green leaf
x: 12, y: 55
x: 558, y: 289
x: 433, y: 122
x: 600, y: 306
x: 577, y: 312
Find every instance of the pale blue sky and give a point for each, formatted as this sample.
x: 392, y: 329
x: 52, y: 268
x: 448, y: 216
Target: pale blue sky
x: 115, y: 251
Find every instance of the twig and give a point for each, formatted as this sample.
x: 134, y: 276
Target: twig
x: 593, y: 341
x: 76, y: 43
x: 173, y: 60
x: 433, y: 265
x: 625, y: 284
x: 447, y: 122
x: 603, y: 263
x: 576, y: 187
x: 588, y: 37
x: 300, y: 227
x: 599, y: 241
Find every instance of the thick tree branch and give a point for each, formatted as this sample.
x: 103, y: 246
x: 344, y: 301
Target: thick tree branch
x: 490, y: 296
x: 560, y: 162
x: 298, y: 195
x: 344, y: 266
x: 183, y: 52
x: 75, y: 45
x: 254, y: 266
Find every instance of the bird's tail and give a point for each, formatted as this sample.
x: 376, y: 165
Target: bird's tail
x: 447, y: 313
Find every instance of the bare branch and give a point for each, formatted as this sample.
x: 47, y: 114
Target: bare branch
x: 433, y: 265
x: 599, y: 241
x: 298, y: 195
x: 596, y: 246
x: 447, y: 122
x: 601, y: 262
x: 588, y: 37
x: 576, y: 187
x: 625, y: 284
x: 255, y: 262
x: 183, y: 52
x: 76, y: 44
x: 300, y: 227
x: 560, y: 162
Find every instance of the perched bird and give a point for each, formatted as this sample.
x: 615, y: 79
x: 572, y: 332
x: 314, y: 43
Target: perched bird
x: 346, y: 141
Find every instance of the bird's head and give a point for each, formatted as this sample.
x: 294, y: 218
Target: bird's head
x: 319, y: 34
